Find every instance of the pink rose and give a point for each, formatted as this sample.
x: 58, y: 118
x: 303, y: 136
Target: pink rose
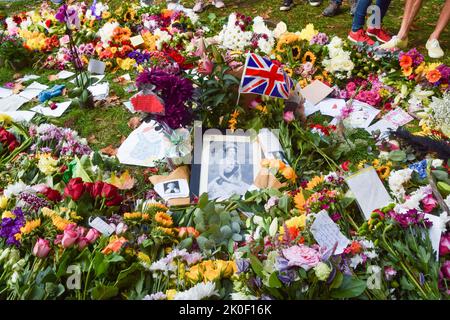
x: 41, y: 248
x: 302, y: 256
x: 429, y: 203
x: 288, y: 116
x: 70, y: 235
x: 92, y: 235
x: 64, y: 40
x: 444, y: 245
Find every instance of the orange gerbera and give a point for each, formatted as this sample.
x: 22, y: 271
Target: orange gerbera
x: 405, y: 61
x: 433, y: 76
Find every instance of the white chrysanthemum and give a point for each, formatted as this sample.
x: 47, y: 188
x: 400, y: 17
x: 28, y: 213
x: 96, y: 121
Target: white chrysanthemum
x: 397, y: 179
x: 106, y: 32
x: 16, y: 188
x: 198, y: 292
x: 242, y: 296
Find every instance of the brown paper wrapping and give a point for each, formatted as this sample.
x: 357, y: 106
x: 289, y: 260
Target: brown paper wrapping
x: 265, y: 179
x: 179, y: 173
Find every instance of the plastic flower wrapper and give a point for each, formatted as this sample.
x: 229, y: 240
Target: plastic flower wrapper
x: 180, y: 146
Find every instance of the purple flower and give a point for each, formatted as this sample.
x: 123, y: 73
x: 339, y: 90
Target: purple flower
x: 411, y: 218
x: 389, y: 273
x: 33, y: 201
x: 287, y: 277
x: 320, y: 38
x: 9, y: 227
x: 61, y: 14
x: 242, y: 265
x: 336, y: 216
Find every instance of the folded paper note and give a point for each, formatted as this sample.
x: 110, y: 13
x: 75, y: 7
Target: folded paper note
x: 316, y: 92
x: 368, y: 190
x: 12, y: 103
x: 64, y: 74
x: 361, y: 116
x: 136, y: 41
x: 144, y: 146
x: 331, y: 107
x: 327, y: 233
x: 20, y: 116
x: 96, y: 66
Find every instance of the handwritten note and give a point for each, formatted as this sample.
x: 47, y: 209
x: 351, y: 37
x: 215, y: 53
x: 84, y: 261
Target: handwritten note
x: 101, y: 226
x: 327, y: 233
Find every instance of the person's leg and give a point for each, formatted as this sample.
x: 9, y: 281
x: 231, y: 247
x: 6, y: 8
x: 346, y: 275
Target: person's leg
x: 360, y: 14
x: 442, y: 22
x: 333, y: 8
x: 434, y: 49
x: 412, y: 7
x: 377, y: 31
x: 384, y: 6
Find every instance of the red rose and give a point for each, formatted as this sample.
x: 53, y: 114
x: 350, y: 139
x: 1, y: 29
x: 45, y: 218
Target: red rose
x: 74, y: 189
x: 48, y: 23
x: 52, y: 195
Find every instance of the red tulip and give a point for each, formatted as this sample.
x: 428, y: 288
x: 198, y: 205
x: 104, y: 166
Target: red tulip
x: 74, y: 189
x: 41, y: 248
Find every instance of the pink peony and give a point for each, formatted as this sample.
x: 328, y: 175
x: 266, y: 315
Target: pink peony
x: 429, y: 203
x: 302, y: 256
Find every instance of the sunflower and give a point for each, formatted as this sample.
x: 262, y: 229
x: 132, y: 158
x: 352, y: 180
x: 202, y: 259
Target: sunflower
x: 163, y: 219
x: 383, y: 172
x: 167, y: 231
x: 299, y: 201
x: 289, y: 71
x: 309, y: 57
x: 314, y: 182
x: 132, y: 215
x: 296, y: 52
x: 130, y: 15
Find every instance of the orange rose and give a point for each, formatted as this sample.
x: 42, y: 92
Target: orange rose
x: 115, y: 245
x: 406, y: 61
x: 433, y: 76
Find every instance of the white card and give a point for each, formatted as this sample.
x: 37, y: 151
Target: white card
x: 434, y: 232
x: 144, y: 145
x: 33, y: 90
x: 28, y: 77
x: 331, y: 107
x: 129, y: 106
x: 64, y: 74
x: 327, y: 233
x: 383, y: 125
x: 368, y: 190
x: 398, y: 117
x: 5, y: 92
x: 58, y: 112
x: 12, y: 103
x: 101, y: 226
x: 310, y: 108
x: 271, y: 146
x: 96, y: 66
x: 136, y: 41
x: 20, y: 116
x: 172, y: 189
x: 361, y: 116
x: 99, y: 91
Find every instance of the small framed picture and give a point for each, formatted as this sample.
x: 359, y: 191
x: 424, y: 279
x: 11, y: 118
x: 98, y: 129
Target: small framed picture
x: 177, y: 188
x: 229, y: 165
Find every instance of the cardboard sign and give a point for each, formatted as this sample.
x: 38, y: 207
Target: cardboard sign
x: 316, y: 92
x: 136, y: 41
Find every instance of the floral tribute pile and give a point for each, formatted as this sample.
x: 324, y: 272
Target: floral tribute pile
x: 261, y: 245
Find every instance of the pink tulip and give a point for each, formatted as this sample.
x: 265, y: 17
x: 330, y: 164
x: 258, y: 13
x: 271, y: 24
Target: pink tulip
x: 92, y: 235
x: 82, y: 243
x: 288, y: 116
x: 444, y: 246
x: 41, y: 248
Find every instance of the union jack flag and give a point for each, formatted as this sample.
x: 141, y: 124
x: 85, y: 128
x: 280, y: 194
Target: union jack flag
x: 262, y: 76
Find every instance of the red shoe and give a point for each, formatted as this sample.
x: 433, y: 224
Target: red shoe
x: 379, y: 34
x: 360, y: 36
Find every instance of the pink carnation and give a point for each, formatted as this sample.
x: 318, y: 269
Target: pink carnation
x: 302, y: 256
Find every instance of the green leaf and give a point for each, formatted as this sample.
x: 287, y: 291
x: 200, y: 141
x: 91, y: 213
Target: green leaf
x: 397, y: 155
x: 114, y: 257
x: 440, y: 175
x: 351, y: 287
x: 274, y: 282
x: 37, y: 293
x: 102, y: 292
x: 337, y: 281
x: 257, y: 266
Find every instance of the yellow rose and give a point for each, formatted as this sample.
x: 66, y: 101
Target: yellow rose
x: 3, y: 202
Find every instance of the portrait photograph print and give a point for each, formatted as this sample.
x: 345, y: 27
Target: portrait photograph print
x: 229, y: 165
x: 177, y: 188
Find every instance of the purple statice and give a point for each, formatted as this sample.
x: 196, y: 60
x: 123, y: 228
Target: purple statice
x: 320, y: 38
x: 410, y: 218
x: 9, y: 227
x: 32, y: 201
x: 174, y: 90
x: 140, y: 57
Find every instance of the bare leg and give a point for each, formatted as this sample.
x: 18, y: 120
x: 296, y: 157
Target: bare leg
x: 442, y: 22
x: 411, y: 9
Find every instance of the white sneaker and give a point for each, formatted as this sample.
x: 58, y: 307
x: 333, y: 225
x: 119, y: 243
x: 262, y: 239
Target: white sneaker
x: 218, y: 4
x: 394, y: 43
x: 315, y: 3
x: 434, y: 49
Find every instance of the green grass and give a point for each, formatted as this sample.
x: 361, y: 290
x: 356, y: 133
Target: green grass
x: 107, y: 125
